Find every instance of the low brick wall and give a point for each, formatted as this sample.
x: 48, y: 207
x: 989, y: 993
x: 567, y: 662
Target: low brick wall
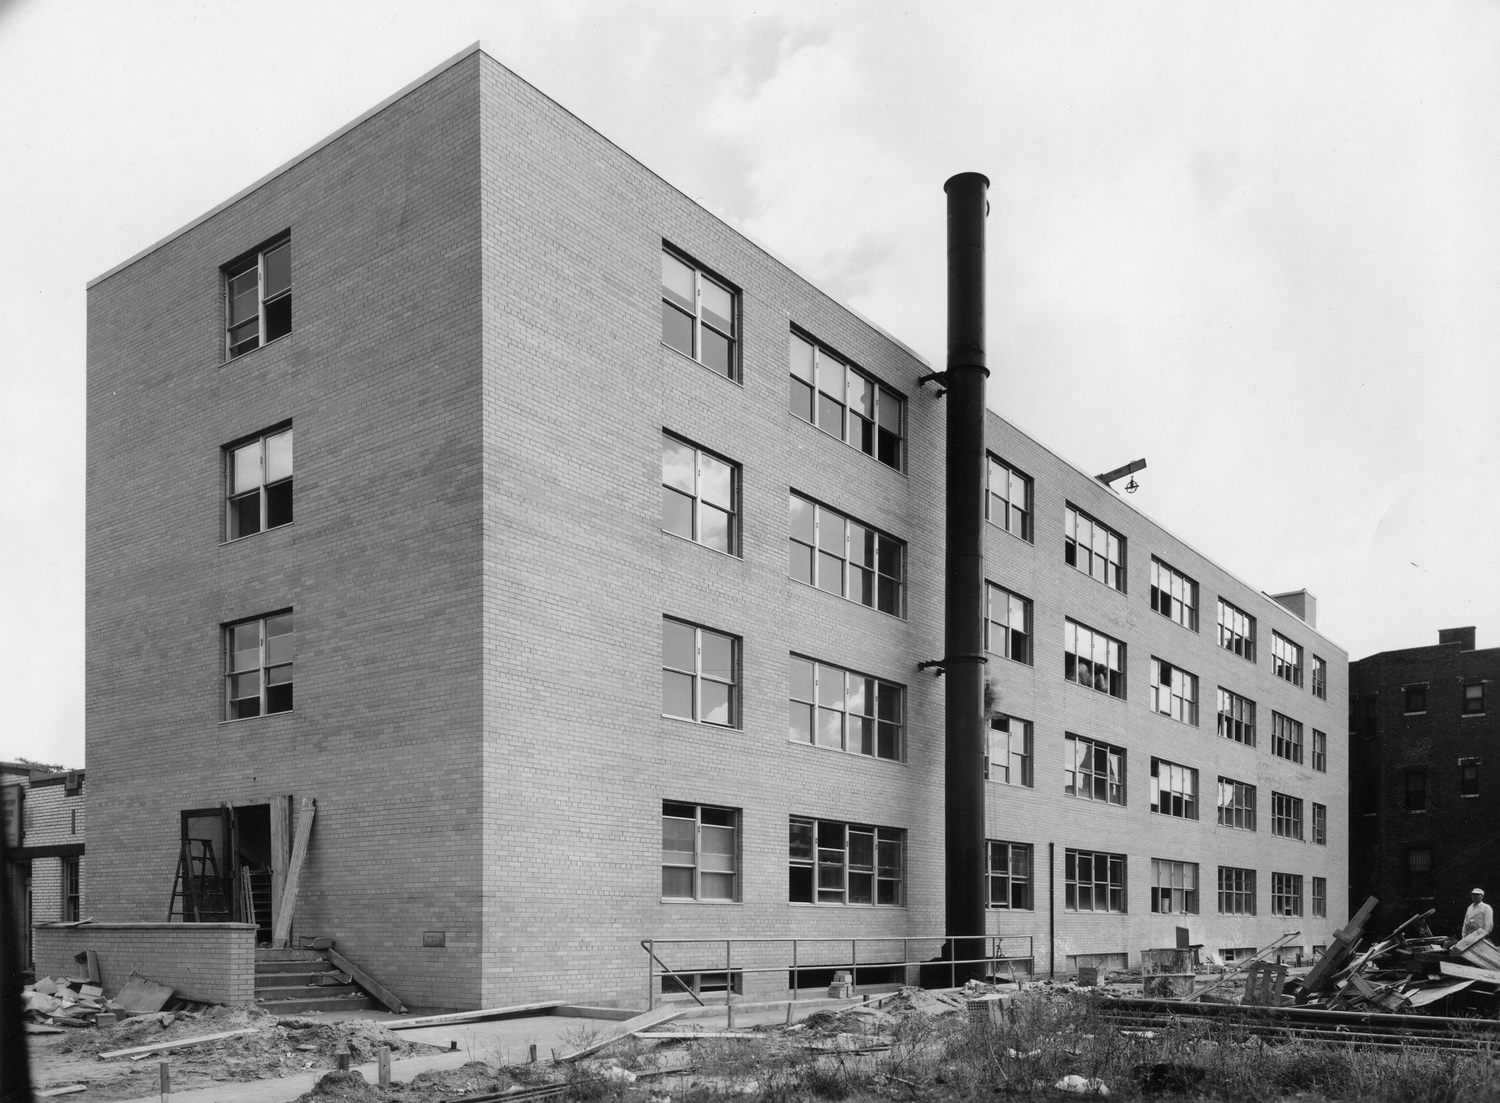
x: 214, y: 962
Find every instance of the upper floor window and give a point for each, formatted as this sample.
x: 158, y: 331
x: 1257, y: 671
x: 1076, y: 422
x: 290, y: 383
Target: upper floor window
x: 1286, y: 894
x: 1320, y: 824
x: 1319, y: 678
x: 699, y: 852
x: 1093, y: 659
x: 1468, y: 777
x: 845, y: 863
x: 1320, y: 751
x: 1414, y: 699
x: 258, y: 290
x: 1007, y: 624
x: 1174, y: 595
x: 258, y: 678
x: 1474, y: 698
x: 1009, y: 756
x: 1236, y: 804
x: 1174, y: 887
x: 1286, y: 658
x: 1008, y: 871
x: 833, y: 707
x: 1093, y: 770
x: 1320, y: 897
x: 699, y: 677
x: 1236, y: 630
x: 71, y: 890
x: 699, y: 495
x: 1174, y: 789
x: 1236, y: 717
x: 1416, y: 790
x: 697, y: 314
x: 845, y: 557
x: 846, y: 403
x: 1286, y: 737
x: 1007, y: 502
x: 1093, y: 882
x: 259, y: 476
x: 1286, y: 816
x: 1174, y: 692
x: 1093, y: 548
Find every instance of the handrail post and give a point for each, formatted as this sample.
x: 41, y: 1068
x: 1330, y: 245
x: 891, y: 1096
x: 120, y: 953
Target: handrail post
x: 796, y: 979
x: 854, y: 966
x: 729, y: 982
x: 650, y: 975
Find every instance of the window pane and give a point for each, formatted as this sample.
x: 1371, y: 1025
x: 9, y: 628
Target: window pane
x: 713, y: 528
x: 802, y: 358
x: 278, y: 269
x: 830, y: 728
x: 830, y: 573
x: 717, y: 848
x: 677, y: 695
x: 800, y: 562
x: 831, y: 688
x: 717, y: 886
x: 716, y: 703
x: 801, y: 399
x: 718, y: 306
x: 716, y: 482
x: 718, y: 656
x: 245, y: 468
x: 279, y: 318
x: 278, y: 504
x: 244, y: 646
x: 244, y: 298
x: 677, y: 281
x: 677, y: 840
x: 676, y: 512
x: 244, y: 516
x: 799, y: 722
x: 676, y: 882
x: 677, y: 465
x: 676, y: 329
x: 716, y: 352
x: 830, y: 416
x: 802, y: 519
x: 801, y: 839
x: 678, y: 647
x: 800, y: 678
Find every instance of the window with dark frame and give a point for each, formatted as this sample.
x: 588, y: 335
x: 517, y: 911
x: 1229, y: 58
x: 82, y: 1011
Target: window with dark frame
x: 1009, y: 756
x: 1173, y: 594
x: 1320, y: 824
x: 699, y: 495
x: 1093, y: 770
x: 698, y: 314
x: 71, y: 890
x: 1474, y: 699
x: 1416, y: 790
x: 1468, y: 777
x: 1286, y: 894
x: 1007, y: 624
x: 1093, y: 548
x: 1320, y: 751
x: 844, y: 863
x: 258, y: 676
x: 1236, y: 804
x: 1286, y: 737
x: 1174, y: 692
x: 699, y: 852
x: 1093, y: 659
x: 1320, y: 897
x: 1319, y: 678
x: 1236, y: 717
x: 1174, y: 789
x: 844, y: 557
x: 258, y: 477
x: 1093, y: 881
x: 1286, y: 659
x: 1286, y: 816
x: 700, y: 674
x: 844, y: 710
x: 1007, y: 500
x: 258, y: 297
x: 1236, y: 630
x: 1174, y: 887
x: 1236, y: 891
x: 1414, y: 699
x: 1008, y: 874
x: 846, y: 402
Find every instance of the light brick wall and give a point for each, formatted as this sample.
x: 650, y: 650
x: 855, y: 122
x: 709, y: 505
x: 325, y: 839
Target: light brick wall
x: 213, y: 962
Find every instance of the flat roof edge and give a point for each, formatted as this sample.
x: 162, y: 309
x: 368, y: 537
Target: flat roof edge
x: 298, y: 159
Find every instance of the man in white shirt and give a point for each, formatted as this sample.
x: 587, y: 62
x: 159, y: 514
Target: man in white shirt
x: 1480, y: 917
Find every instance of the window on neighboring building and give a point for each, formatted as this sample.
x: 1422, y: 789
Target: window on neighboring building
x: 1236, y: 891
x: 258, y: 293
x: 1414, y: 699
x: 1473, y: 698
x: 1320, y: 824
x: 1093, y: 770
x: 1174, y: 692
x: 1319, y: 678
x: 845, y: 557
x: 697, y: 314
x: 1236, y: 630
x: 1468, y: 777
x: 1174, y: 789
x: 1236, y: 804
x: 259, y: 476
x: 700, y: 674
x: 71, y: 890
x: 1371, y: 715
x: 845, y: 863
x: 1174, y: 595
x: 1174, y: 887
x: 1286, y: 816
x: 1416, y: 790
x: 1009, y: 756
x: 1320, y: 897
x: 1419, y: 872
x: 844, y: 402
x: 1094, y: 882
x: 1007, y: 623
x: 1093, y: 659
x: 833, y: 707
x: 1007, y: 502
x: 699, y: 852
x: 1009, y: 875
x: 1286, y: 659
x: 1286, y: 894
x: 258, y: 678
x: 1286, y: 737
x: 1320, y: 751
x: 1236, y: 717
x: 699, y: 495
x: 1093, y: 548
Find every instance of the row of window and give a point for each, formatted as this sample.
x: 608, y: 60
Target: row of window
x: 1417, y: 790
x: 1364, y: 713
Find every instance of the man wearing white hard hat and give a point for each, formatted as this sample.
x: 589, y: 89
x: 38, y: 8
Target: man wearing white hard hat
x: 1479, y: 920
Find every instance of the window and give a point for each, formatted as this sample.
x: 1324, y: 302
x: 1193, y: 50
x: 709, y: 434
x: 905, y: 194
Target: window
x: 1320, y: 824
x: 1094, y: 882
x: 1236, y: 717
x: 1236, y: 631
x: 840, y: 863
x: 1286, y: 737
x: 846, y: 403
x: 1420, y: 883
x: 1009, y: 875
x: 1236, y: 805
x: 258, y: 293
x: 1414, y: 699
x: 1473, y: 699
x: 1094, y: 548
x: 703, y: 983
x: 1468, y: 777
x: 259, y: 675
x: 1174, y: 887
x: 1286, y: 659
x: 833, y: 707
x: 699, y: 674
x: 1320, y: 751
x: 1008, y: 500
x: 1093, y: 659
x: 70, y: 890
x: 699, y: 495
x: 1286, y: 894
x: 1093, y: 770
x: 1174, y: 789
x: 1236, y: 891
x: 1174, y: 595
x: 844, y: 557
x: 1372, y: 715
x: 1007, y: 624
x: 259, y: 475
x: 1008, y: 758
x: 1319, y: 678
x: 1286, y: 816
x: 699, y: 852
x: 1320, y: 897
x: 697, y: 314
x: 1416, y: 790
x: 1174, y: 692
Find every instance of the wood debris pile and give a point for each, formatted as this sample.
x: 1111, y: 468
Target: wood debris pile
x: 56, y: 1002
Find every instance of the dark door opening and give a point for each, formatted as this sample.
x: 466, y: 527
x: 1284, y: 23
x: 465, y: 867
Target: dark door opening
x: 224, y: 867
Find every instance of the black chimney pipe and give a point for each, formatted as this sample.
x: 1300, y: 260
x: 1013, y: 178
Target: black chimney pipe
x: 963, y: 612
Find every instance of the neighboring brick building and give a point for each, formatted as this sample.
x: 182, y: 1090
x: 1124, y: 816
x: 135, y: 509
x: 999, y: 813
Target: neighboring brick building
x: 46, y: 840
x: 1423, y: 796
x: 538, y: 727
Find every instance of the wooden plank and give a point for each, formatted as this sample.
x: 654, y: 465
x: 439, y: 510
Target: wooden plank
x: 1431, y: 994
x: 71, y: 1089
x: 689, y: 1035
x: 283, y: 929
x: 473, y: 1016
x: 1484, y: 954
x: 1469, y: 972
x: 624, y: 1030
x: 180, y: 1043
x: 1241, y: 966
x: 367, y: 982
x: 281, y: 834
x: 141, y: 996
x: 1468, y: 940
x: 1339, y: 949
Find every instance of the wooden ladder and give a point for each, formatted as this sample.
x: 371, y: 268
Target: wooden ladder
x: 198, y: 894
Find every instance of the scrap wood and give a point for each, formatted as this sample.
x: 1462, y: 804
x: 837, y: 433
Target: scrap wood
x: 1344, y: 941
x: 473, y: 1016
x: 141, y: 996
x: 1241, y: 966
x: 1483, y: 954
x: 70, y: 1089
x: 691, y: 1035
x: 624, y: 1030
x: 138, y: 1052
x: 1434, y: 992
x: 1469, y: 972
x: 367, y: 982
x: 281, y: 935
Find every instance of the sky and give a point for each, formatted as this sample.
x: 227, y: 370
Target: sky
x: 1256, y: 243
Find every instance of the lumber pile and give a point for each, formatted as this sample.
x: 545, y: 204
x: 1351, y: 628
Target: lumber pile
x: 71, y: 1001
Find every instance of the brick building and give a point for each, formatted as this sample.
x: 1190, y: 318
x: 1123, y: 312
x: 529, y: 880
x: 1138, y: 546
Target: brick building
x: 589, y: 605
x: 1423, y: 825
x: 44, y: 820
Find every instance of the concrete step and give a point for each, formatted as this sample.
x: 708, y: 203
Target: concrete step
x: 288, y: 955
x: 272, y: 968
x: 305, y: 991
x: 299, y: 1006
x: 286, y: 980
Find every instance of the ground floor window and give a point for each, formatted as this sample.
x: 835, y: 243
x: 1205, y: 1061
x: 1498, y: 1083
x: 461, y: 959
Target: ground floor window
x: 1174, y: 887
x: 1009, y: 875
x: 70, y: 890
x: 1286, y: 894
x: 845, y: 863
x: 1236, y: 891
x: 1095, y: 882
x: 1320, y: 897
x: 699, y: 852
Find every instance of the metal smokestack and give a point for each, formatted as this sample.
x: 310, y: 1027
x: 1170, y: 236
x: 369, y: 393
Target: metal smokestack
x: 963, y: 611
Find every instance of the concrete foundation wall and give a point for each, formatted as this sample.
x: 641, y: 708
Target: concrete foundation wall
x: 213, y: 962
